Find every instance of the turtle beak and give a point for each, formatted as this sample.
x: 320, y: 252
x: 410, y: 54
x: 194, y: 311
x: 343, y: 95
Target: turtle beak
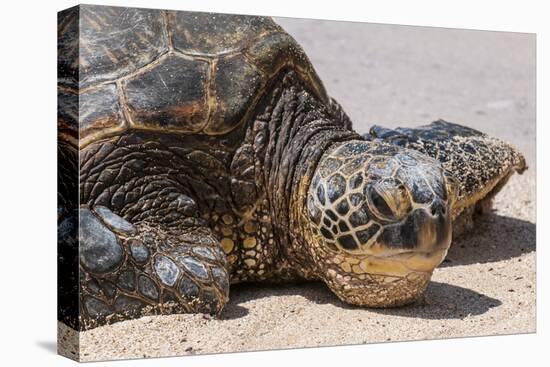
x: 434, y: 227
x: 424, y: 231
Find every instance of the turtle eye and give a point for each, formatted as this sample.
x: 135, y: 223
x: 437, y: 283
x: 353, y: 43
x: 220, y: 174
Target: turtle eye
x: 389, y: 199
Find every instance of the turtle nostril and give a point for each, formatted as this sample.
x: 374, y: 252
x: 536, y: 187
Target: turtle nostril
x: 438, y: 208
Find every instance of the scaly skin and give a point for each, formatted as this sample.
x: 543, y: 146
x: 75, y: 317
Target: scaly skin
x: 172, y: 194
x: 212, y: 155
x: 241, y: 184
x: 255, y: 195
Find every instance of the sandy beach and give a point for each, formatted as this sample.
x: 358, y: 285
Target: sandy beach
x: 390, y: 75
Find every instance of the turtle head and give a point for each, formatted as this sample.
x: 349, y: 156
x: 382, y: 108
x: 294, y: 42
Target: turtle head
x: 379, y: 222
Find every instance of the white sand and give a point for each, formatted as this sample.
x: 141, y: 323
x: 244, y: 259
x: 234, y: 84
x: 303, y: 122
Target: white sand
x: 390, y: 75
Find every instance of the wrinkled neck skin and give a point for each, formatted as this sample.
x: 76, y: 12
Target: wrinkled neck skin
x: 299, y: 129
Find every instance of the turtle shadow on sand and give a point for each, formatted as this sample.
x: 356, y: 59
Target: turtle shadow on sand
x: 445, y: 301
x: 440, y: 301
x: 494, y: 238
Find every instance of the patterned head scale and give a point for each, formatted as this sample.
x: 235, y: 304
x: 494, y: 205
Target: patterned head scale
x: 380, y: 210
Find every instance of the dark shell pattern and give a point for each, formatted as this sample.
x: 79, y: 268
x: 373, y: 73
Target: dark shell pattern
x: 157, y: 70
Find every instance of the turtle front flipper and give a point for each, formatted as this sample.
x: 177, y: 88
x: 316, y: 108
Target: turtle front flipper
x: 479, y: 165
x: 128, y: 271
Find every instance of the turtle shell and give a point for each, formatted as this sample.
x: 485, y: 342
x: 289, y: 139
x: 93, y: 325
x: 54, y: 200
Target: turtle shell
x: 169, y: 71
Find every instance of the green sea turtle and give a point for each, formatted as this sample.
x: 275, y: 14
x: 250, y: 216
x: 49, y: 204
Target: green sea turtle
x: 208, y: 152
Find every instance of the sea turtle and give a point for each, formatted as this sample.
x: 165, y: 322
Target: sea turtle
x: 208, y: 153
